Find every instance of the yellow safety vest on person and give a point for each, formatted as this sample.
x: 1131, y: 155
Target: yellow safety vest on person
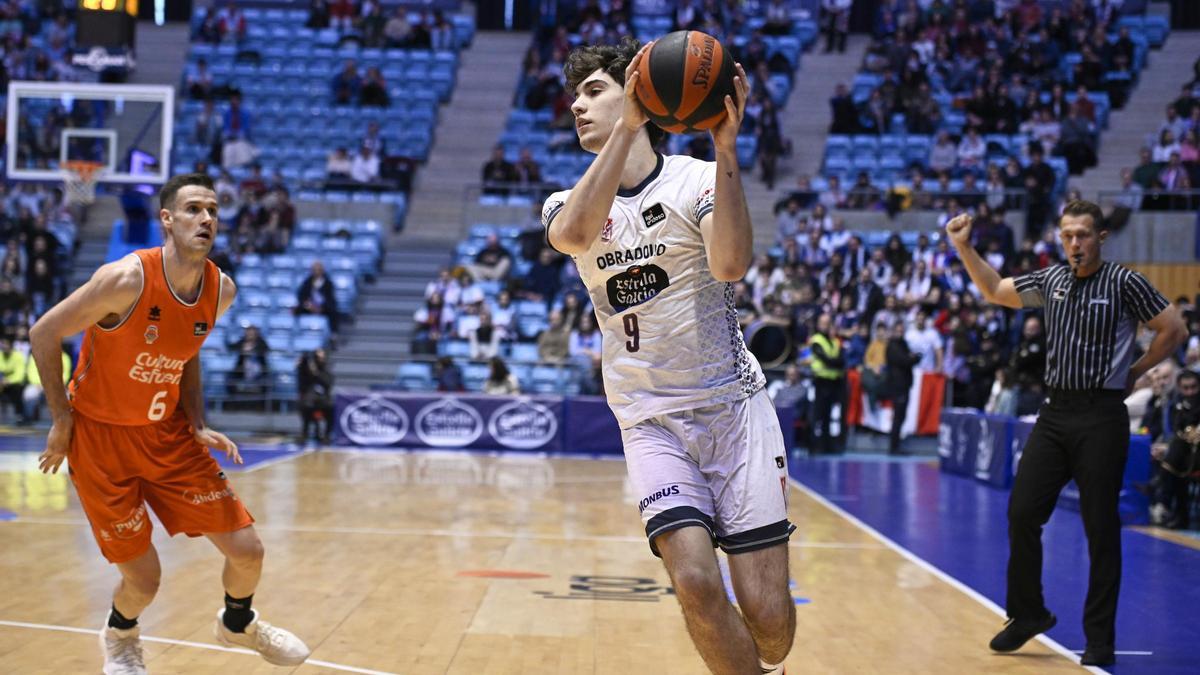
x: 831, y: 347
x: 12, y: 367
x: 35, y: 377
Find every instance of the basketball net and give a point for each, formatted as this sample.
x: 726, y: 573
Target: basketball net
x: 80, y: 179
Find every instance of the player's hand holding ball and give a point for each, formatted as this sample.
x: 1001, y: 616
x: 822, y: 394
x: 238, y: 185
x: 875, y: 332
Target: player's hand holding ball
x: 959, y: 230
x: 687, y: 82
x: 633, y: 115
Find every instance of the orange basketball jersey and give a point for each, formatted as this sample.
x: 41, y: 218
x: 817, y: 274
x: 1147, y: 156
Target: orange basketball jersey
x: 130, y: 374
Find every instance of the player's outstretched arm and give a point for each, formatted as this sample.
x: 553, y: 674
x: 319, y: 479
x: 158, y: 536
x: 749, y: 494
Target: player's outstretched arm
x: 587, y: 207
x: 994, y: 289
x: 111, y: 292
x: 228, y: 294
x: 728, y: 232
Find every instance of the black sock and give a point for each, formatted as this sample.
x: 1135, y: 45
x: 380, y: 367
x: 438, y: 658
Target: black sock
x: 117, y: 620
x: 237, y: 613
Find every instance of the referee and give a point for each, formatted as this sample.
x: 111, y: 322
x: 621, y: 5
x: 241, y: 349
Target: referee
x: 1092, y: 309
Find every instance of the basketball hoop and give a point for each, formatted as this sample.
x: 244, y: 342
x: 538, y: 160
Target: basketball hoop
x: 80, y: 179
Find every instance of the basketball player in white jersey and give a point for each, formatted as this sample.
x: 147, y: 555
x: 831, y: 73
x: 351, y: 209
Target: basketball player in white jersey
x: 658, y: 241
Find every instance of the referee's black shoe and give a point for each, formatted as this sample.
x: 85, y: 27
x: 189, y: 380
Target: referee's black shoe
x: 1019, y: 631
x: 1098, y: 656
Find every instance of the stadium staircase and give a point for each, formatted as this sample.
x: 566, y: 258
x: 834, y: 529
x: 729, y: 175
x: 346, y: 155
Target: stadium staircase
x: 1169, y: 69
x: 805, y: 120
x: 467, y: 130
x: 373, y: 347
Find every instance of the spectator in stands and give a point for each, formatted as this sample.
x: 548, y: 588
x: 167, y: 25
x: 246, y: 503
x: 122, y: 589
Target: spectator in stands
x: 498, y: 173
x: 900, y: 361
x: 584, y: 344
x: 1174, y: 123
x: 434, y: 320
x: 200, y: 81
x: 373, y: 91
x: 924, y: 341
x: 944, y: 154
x: 1167, y: 145
x: 1043, y: 128
x: 770, y: 141
x: 493, y: 261
x: 33, y: 395
x: 835, y: 23
x: 446, y: 286
x: 364, y: 168
x: 318, y: 14
x: 315, y: 383
x: 237, y: 145
x: 554, y: 342
x: 542, y: 282
x: 346, y: 84
x: 231, y: 22
x: 315, y: 296
x: 397, y: 32
x: 207, y: 130
x: 1039, y: 185
x: 12, y: 378
x: 528, y: 171
x: 1146, y: 172
x: 500, y: 381
x: 338, y: 165
x: 342, y: 14
x: 484, y: 339
x: 1131, y: 194
x: 448, y: 375
x: 833, y: 196
x: 441, y: 32
x: 789, y: 222
x: 247, y: 383
x: 971, y: 151
x: 1028, y: 366
x: 373, y: 23
x: 844, y: 111
x: 863, y: 195
x: 1078, y: 141
x: 209, y: 29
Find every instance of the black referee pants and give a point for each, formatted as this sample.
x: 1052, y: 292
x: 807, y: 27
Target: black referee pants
x: 1084, y: 437
x: 826, y: 393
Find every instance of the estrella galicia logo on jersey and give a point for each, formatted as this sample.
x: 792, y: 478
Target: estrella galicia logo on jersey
x: 200, y: 329
x: 654, y: 215
x: 650, y: 499
x: 374, y: 421
x: 151, y: 334
x: 636, y: 285
x: 448, y: 424
x: 155, y: 313
x: 523, y: 425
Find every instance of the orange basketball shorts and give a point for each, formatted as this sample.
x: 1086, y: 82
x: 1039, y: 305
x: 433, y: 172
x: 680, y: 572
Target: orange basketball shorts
x: 118, y: 470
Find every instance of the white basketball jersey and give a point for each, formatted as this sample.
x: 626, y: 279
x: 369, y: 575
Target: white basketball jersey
x: 671, y: 339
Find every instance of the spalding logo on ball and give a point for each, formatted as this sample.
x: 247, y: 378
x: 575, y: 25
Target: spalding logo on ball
x: 683, y: 81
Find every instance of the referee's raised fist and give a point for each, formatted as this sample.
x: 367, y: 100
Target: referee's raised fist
x: 959, y: 229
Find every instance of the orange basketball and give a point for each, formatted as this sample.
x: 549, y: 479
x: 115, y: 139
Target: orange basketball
x: 683, y: 81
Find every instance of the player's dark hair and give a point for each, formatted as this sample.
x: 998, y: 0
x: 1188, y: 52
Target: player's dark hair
x: 166, y: 195
x: 613, y: 60
x: 1082, y: 207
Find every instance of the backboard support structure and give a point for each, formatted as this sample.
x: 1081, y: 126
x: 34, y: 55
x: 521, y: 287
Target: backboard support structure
x: 127, y: 128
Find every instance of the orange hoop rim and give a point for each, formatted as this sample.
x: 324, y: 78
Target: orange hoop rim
x: 83, y: 169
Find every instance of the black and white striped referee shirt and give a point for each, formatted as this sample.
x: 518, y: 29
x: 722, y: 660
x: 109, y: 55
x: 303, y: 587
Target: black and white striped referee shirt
x: 1091, y: 322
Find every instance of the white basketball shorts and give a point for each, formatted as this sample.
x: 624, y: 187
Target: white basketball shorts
x: 720, y: 467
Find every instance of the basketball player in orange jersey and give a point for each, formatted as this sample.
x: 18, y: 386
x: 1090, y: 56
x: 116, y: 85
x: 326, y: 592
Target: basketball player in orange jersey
x: 132, y: 424
x: 659, y: 241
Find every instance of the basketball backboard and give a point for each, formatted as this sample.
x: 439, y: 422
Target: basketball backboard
x: 125, y: 127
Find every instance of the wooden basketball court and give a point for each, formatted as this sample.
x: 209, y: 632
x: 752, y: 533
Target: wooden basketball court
x: 423, y: 563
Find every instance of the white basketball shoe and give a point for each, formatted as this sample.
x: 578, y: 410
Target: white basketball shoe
x: 122, y: 651
x: 274, y: 644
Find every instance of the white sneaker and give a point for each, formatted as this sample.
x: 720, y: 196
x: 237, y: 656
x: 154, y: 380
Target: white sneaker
x: 122, y: 651
x: 274, y: 644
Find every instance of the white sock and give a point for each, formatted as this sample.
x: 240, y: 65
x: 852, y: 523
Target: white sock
x: 767, y: 668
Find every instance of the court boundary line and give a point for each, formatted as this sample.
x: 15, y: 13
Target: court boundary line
x: 929, y: 567
x: 291, y: 455
x: 189, y: 643
x: 412, y: 532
